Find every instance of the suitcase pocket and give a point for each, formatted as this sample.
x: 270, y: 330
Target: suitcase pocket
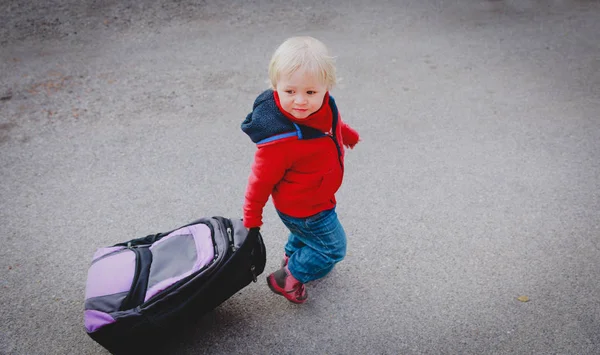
x: 109, y: 281
x: 122, y: 278
x: 180, y: 254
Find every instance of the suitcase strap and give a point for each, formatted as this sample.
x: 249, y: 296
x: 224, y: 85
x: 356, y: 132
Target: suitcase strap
x: 139, y: 286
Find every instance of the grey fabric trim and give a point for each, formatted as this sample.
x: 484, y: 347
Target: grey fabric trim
x: 172, y: 258
x: 106, y: 303
x: 240, y: 232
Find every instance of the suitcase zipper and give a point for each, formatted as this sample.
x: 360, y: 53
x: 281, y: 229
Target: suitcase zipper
x: 230, y: 236
x: 253, y: 257
x: 228, y: 227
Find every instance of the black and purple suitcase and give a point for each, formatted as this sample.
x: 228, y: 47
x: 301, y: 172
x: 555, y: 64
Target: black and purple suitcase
x: 149, y: 286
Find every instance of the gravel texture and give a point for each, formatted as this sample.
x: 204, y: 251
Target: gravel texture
x: 476, y: 181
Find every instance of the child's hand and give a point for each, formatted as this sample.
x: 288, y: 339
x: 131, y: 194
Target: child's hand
x: 253, y: 230
x: 351, y: 146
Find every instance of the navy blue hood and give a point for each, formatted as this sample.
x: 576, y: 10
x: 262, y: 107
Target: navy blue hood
x: 266, y: 120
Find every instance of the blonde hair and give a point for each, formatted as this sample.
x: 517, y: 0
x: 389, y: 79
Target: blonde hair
x: 306, y: 53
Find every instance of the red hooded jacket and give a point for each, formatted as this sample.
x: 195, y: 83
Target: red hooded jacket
x: 300, y: 163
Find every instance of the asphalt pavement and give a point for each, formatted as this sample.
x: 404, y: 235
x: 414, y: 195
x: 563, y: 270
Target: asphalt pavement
x: 472, y: 204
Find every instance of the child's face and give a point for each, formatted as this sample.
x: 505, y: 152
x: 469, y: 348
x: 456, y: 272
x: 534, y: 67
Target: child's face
x: 300, y: 94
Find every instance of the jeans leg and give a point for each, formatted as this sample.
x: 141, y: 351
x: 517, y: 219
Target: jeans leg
x: 293, y: 244
x: 294, y: 240
x: 324, y: 242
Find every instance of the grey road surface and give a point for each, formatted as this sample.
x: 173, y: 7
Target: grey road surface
x: 477, y: 181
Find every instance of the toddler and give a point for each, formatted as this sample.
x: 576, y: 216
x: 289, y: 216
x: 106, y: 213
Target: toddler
x: 299, y: 161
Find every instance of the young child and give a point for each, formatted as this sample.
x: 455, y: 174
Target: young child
x: 299, y: 162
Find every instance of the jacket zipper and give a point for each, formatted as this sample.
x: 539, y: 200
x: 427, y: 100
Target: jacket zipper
x: 339, y: 151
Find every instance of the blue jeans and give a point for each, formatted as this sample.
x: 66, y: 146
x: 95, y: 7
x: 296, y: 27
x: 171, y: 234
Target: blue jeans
x: 315, y: 244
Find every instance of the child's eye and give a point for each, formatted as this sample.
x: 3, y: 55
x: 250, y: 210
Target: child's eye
x: 310, y: 92
x: 289, y: 92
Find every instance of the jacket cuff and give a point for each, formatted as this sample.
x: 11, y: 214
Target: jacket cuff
x: 250, y: 222
x: 349, y: 136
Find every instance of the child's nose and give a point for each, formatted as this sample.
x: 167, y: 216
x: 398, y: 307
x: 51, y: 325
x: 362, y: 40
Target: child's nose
x: 300, y: 99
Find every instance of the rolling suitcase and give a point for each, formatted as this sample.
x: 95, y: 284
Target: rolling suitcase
x: 142, y: 288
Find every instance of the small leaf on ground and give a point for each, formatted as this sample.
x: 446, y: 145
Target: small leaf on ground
x: 523, y: 298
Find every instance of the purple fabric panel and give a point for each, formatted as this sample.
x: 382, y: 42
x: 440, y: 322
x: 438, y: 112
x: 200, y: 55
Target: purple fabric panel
x: 111, y: 275
x: 103, y: 251
x: 204, y: 250
x: 95, y: 320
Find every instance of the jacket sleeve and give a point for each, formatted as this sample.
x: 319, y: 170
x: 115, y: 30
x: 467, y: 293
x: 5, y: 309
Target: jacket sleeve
x: 349, y: 136
x: 268, y: 168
